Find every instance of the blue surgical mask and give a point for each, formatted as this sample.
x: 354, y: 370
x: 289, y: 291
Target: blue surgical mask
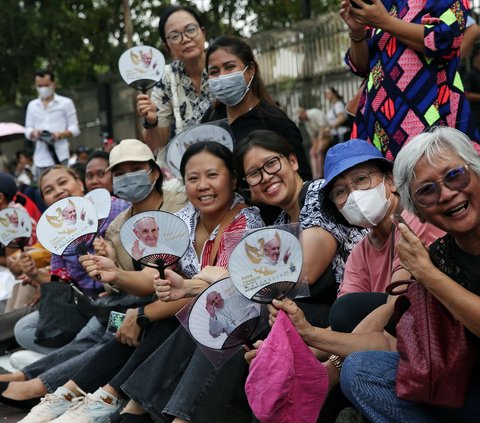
x: 133, y: 187
x: 230, y: 89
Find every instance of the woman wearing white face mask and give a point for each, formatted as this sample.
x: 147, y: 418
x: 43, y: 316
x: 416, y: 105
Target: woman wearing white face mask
x: 359, y: 189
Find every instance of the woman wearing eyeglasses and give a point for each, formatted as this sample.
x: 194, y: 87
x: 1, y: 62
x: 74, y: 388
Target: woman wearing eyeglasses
x: 182, y: 96
x: 437, y: 175
x: 360, y: 192
x: 270, y: 168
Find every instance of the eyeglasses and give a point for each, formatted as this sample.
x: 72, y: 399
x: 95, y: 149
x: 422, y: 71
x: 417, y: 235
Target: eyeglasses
x: 455, y: 179
x: 361, y: 181
x: 270, y: 167
x: 176, y: 37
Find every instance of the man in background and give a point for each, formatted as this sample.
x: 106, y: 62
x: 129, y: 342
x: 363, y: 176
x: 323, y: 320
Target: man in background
x: 50, y: 120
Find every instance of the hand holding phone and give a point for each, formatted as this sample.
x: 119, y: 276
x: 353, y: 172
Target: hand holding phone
x: 397, y: 218
x: 115, y: 320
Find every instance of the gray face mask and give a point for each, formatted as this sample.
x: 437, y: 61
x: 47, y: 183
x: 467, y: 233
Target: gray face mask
x: 230, y: 89
x: 133, y: 187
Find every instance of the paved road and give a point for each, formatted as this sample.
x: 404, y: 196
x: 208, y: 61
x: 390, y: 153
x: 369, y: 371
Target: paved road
x: 10, y: 414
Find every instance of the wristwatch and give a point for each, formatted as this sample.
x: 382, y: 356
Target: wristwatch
x: 148, y: 125
x: 142, y: 319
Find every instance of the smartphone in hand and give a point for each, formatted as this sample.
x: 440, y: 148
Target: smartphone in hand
x: 115, y: 320
x: 397, y: 218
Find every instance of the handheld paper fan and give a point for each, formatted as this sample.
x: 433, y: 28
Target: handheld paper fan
x: 179, y: 144
x: 221, y: 317
x: 15, y: 227
x: 155, y: 239
x: 266, y: 264
x: 102, y: 201
x: 68, y: 226
x: 141, y: 67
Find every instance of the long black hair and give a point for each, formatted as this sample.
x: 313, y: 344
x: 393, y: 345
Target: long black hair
x: 239, y: 48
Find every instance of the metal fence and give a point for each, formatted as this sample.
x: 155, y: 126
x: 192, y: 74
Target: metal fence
x: 299, y: 62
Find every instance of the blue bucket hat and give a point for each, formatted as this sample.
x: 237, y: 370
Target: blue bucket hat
x: 346, y: 155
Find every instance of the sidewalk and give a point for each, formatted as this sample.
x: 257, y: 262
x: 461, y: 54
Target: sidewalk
x: 9, y: 414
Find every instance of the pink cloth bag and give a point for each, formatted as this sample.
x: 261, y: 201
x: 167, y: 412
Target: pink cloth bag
x: 286, y: 382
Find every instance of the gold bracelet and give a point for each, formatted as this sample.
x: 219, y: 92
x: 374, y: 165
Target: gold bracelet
x: 336, y: 361
x: 357, y: 39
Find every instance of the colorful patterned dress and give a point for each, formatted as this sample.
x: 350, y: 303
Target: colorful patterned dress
x: 408, y: 91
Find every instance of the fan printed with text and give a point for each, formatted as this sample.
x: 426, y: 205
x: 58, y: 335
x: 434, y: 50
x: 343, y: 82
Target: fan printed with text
x: 141, y: 67
x: 102, y: 201
x: 155, y: 238
x: 221, y: 317
x: 69, y: 226
x: 266, y: 264
x: 15, y: 227
x: 205, y: 132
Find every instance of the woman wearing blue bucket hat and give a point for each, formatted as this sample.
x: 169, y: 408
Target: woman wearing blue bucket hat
x: 359, y: 191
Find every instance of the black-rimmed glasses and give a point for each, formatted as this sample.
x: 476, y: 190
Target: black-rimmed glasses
x: 270, y: 167
x: 455, y: 179
x: 361, y: 181
x: 176, y: 37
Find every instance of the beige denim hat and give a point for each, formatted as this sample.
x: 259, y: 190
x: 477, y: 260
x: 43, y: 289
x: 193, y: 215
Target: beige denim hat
x: 130, y: 150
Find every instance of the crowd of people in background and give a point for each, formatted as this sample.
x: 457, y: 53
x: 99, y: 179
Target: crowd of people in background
x: 387, y: 193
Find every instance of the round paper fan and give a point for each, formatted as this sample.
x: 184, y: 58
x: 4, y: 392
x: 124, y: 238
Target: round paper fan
x: 205, y: 132
x: 141, y: 67
x: 155, y: 238
x: 68, y: 226
x: 102, y: 201
x: 15, y: 227
x: 266, y: 264
x: 221, y: 317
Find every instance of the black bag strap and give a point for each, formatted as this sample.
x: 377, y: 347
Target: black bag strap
x: 303, y: 194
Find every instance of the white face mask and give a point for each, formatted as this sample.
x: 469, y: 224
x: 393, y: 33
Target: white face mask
x: 366, y: 208
x: 45, y: 92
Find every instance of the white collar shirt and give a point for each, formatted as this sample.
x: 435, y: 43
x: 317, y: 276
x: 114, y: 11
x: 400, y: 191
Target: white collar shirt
x: 59, y: 115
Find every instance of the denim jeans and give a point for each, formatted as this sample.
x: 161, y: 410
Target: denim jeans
x: 58, y: 366
x: 179, y: 380
x: 368, y: 380
x: 114, y: 362
x: 24, y: 332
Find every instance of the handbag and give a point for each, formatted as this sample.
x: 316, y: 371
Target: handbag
x: 437, y: 358
x: 60, y: 316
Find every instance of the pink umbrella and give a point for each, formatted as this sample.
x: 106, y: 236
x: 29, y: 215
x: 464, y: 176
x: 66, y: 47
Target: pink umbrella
x: 11, y: 131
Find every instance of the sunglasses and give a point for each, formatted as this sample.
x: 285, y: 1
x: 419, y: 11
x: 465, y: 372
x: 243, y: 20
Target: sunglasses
x: 455, y: 179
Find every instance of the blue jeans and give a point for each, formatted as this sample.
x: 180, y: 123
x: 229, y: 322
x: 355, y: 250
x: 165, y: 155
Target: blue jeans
x: 25, y: 330
x: 368, y: 381
x: 179, y: 380
x: 58, y: 366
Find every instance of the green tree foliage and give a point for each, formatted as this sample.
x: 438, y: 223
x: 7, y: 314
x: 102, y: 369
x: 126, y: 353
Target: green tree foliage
x: 81, y: 39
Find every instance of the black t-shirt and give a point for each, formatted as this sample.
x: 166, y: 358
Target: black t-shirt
x: 460, y: 266
x: 265, y: 116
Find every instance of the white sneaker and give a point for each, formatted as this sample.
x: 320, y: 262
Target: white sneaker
x: 21, y: 359
x: 95, y: 408
x: 51, y: 406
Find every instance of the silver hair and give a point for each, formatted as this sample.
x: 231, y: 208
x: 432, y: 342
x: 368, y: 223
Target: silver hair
x: 437, y: 144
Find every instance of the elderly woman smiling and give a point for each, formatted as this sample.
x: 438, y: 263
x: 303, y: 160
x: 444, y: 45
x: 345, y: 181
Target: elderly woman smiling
x: 437, y: 175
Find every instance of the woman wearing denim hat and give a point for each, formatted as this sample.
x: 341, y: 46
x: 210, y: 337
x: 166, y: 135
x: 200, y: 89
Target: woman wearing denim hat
x: 438, y: 177
x: 359, y: 189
